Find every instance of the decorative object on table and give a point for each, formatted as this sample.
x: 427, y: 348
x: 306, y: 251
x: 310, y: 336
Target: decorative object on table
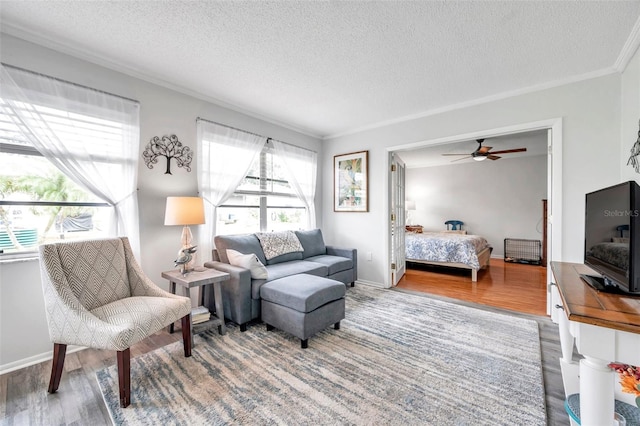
x: 185, y: 211
x: 629, y: 379
x: 410, y: 206
x: 168, y: 147
x: 185, y: 256
x: 351, y: 187
x: 635, y: 152
x: 414, y: 228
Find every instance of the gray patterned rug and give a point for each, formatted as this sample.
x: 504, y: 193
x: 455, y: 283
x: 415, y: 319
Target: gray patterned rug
x: 398, y: 359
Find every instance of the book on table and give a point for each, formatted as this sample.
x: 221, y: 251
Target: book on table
x: 200, y: 314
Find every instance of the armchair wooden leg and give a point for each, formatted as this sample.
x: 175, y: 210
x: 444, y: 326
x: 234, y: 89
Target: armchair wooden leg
x: 186, y: 334
x: 59, y: 351
x: 124, y: 377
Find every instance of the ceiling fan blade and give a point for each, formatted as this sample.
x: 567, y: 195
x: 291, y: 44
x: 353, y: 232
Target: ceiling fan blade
x: 493, y: 157
x: 455, y: 154
x: 508, y: 151
x: 483, y: 150
x: 458, y: 159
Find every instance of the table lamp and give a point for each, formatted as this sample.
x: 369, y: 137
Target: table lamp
x: 185, y: 211
x: 410, y: 206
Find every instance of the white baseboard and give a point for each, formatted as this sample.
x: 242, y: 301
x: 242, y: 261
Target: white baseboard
x: 371, y: 283
x: 36, y: 359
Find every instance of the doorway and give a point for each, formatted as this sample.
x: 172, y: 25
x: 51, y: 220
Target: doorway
x: 553, y: 129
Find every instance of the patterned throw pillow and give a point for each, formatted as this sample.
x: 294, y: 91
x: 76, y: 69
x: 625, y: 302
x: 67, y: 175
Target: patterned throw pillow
x: 275, y: 244
x: 248, y: 261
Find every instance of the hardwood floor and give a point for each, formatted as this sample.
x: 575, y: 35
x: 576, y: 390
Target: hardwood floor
x: 512, y: 286
x: 23, y: 393
x: 507, y: 288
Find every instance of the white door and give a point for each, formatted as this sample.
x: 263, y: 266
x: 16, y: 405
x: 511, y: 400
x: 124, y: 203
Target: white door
x: 397, y: 210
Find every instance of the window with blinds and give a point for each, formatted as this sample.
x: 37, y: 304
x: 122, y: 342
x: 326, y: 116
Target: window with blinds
x: 38, y: 203
x: 264, y: 200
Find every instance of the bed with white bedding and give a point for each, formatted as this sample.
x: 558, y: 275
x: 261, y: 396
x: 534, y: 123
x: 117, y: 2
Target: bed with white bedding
x: 449, y: 249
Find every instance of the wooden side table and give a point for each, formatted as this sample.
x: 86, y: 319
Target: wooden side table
x: 200, y: 279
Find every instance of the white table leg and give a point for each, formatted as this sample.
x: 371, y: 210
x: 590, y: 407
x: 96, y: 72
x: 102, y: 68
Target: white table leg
x: 566, y: 339
x: 596, y: 392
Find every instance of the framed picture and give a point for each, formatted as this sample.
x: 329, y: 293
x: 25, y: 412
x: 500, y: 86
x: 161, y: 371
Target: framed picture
x: 351, y: 182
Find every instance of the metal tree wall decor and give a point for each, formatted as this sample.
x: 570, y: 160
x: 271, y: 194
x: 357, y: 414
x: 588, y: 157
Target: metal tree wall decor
x: 168, y: 147
x: 635, y: 152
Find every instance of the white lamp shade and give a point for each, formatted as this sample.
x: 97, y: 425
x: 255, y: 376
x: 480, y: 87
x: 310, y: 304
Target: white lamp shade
x: 184, y: 211
x: 480, y: 157
x: 410, y: 205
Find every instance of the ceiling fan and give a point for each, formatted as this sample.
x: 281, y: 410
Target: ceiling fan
x: 484, y: 152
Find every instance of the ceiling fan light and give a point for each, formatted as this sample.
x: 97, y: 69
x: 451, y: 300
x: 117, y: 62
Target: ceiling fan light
x: 480, y: 157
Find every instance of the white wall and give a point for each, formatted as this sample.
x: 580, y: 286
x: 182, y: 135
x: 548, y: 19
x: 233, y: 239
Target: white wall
x: 496, y: 199
x: 162, y: 111
x: 630, y: 115
x: 590, y: 111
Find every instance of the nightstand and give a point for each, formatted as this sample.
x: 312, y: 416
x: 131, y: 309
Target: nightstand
x: 200, y: 279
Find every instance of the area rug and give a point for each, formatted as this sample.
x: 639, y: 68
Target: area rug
x: 398, y: 358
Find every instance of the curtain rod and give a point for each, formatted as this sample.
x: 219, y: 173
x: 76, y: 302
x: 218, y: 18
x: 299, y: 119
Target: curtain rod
x: 70, y: 82
x: 251, y: 133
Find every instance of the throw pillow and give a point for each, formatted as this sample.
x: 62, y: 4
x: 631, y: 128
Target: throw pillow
x: 248, y: 261
x: 276, y: 244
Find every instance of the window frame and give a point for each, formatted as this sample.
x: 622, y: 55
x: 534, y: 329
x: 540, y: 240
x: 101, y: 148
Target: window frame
x: 21, y: 149
x: 263, y: 193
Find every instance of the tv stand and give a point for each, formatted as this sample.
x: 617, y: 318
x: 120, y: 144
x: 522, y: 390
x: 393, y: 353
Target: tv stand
x: 600, y: 284
x: 604, y: 328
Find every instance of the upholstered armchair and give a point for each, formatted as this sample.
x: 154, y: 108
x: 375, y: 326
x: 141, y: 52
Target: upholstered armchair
x: 96, y: 295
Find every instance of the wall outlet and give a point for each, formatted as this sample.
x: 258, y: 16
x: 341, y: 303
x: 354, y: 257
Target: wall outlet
x: 369, y: 256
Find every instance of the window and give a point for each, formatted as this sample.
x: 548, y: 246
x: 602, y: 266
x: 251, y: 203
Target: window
x: 264, y: 200
x: 68, y: 161
x: 251, y: 183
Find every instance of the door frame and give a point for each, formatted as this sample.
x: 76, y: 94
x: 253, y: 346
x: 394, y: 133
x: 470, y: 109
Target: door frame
x: 554, y: 182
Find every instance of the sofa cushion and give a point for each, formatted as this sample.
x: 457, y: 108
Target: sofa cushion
x: 248, y: 261
x: 334, y: 264
x: 276, y: 244
x: 297, y: 255
x: 302, y: 292
x: 241, y: 243
x: 312, y: 242
x: 281, y: 270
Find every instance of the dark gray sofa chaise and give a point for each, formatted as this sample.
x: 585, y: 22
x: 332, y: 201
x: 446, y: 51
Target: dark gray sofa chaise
x: 241, y: 293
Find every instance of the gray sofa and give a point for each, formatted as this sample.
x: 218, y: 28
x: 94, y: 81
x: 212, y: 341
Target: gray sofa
x: 241, y: 293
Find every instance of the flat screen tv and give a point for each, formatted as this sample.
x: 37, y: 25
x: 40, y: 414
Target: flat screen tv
x: 612, y: 238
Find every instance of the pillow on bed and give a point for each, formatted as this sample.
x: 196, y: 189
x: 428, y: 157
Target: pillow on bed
x: 457, y: 231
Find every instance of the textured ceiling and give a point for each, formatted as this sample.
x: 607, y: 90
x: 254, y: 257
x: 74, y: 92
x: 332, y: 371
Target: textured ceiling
x: 332, y: 67
x: 535, y: 143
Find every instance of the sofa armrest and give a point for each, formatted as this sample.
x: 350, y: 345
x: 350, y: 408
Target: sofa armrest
x: 344, y: 252
x: 236, y: 291
x: 349, y: 254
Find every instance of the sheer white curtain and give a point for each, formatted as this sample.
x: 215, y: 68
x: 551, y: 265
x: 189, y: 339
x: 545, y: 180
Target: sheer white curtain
x: 301, y: 166
x: 91, y: 136
x: 224, y: 158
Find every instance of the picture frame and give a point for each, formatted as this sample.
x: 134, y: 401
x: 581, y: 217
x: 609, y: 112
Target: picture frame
x: 351, y: 182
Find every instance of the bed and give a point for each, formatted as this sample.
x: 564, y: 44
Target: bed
x: 451, y: 249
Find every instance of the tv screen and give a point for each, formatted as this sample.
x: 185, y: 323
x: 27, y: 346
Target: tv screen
x: 611, y: 233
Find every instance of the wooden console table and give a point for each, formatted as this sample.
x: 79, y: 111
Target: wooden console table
x: 605, y: 328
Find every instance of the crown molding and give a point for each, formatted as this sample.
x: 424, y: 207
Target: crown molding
x: 479, y: 101
x: 629, y: 49
x: 91, y: 57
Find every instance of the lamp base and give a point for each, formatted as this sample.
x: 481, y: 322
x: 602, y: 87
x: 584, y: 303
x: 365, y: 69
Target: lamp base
x: 187, y: 241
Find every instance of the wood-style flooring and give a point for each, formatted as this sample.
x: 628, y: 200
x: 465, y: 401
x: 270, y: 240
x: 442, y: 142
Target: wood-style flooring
x: 507, y: 288
x: 23, y: 393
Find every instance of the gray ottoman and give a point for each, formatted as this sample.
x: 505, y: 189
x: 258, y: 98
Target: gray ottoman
x: 302, y: 304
